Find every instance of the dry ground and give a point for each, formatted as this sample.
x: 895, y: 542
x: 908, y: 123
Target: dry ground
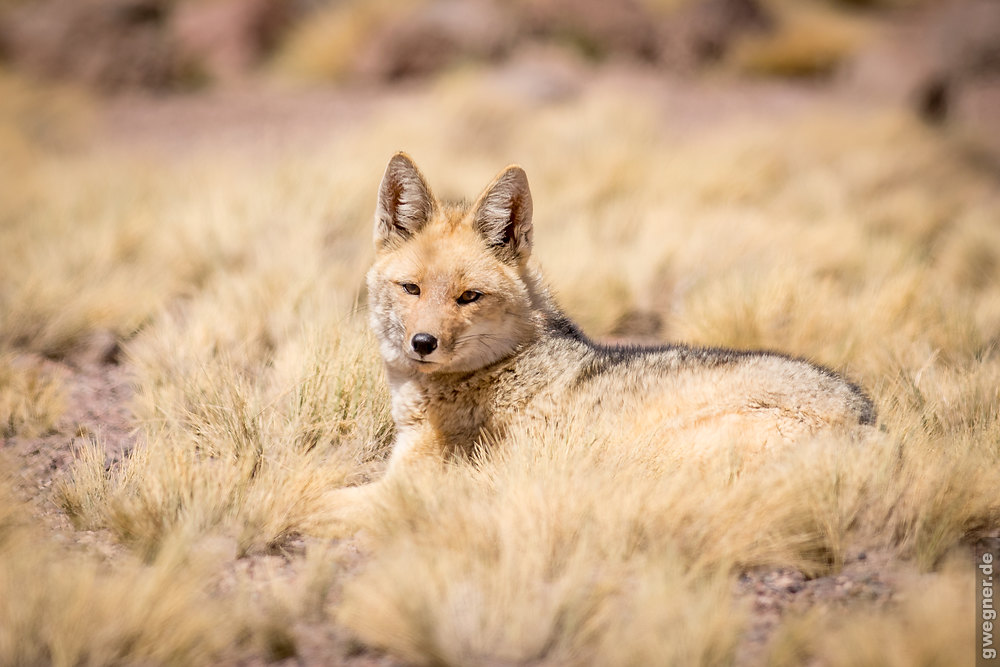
x: 185, y: 377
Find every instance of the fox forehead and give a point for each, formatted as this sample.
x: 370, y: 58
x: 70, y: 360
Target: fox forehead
x: 451, y: 256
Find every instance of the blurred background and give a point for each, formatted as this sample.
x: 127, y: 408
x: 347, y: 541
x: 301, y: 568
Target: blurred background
x: 176, y: 71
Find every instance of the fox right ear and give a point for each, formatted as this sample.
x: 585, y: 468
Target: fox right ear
x: 404, y: 202
x: 503, y: 215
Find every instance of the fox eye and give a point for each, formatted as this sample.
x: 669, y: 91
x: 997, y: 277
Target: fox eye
x: 410, y: 288
x: 468, y: 296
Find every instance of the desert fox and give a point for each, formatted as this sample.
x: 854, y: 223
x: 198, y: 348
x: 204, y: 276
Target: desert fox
x: 473, y: 341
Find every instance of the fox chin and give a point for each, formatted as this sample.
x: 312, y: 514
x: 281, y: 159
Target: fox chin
x: 473, y: 341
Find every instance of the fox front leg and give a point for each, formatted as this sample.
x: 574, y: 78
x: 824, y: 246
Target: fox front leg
x: 417, y: 445
x: 416, y: 448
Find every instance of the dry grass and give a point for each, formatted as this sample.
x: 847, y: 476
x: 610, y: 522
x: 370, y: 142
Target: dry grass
x: 860, y: 240
x: 928, y: 624
x: 325, y: 46
x: 62, y: 607
x: 250, y: 450
x: 525, y: 558
x: 31, y: 400
x: 811, y: 38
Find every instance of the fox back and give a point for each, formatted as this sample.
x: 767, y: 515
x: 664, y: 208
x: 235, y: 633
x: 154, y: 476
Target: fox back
x: 473, y: 340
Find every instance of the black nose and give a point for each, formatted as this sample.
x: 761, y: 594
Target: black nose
x: 424, y: 343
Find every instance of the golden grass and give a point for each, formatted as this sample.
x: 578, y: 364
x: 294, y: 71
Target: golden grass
x: 811, y: 38
x: 928, y: 623
x: 861, y: 240
x: 31, y: 400
x: 664, y: 5
x: 60, y: 606
x: 523, y: 557
x: 325, y: 46
x: 254, y: 458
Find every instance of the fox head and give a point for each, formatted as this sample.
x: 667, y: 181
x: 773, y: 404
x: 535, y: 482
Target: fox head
x: 447, y: 292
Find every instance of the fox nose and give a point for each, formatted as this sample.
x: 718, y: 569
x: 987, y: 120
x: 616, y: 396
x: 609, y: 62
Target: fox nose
x: 424, y: 343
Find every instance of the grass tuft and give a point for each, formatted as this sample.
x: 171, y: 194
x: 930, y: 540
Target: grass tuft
x: 31, y: 399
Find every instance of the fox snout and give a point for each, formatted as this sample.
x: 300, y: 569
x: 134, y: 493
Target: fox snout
x: 423, y: 343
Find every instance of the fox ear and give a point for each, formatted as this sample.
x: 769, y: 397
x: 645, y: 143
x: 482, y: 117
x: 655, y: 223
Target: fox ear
x: 404, y: 202
x: 503, y: 215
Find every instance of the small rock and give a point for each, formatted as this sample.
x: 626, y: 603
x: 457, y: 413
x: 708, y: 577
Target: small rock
x: 227, y: 38
x: 789, y: 582
x: 108, y: 44
x: 427, y: 39
x: 638, y: 324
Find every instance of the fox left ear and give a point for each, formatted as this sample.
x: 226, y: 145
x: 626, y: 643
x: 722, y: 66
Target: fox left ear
x: 503, y: 215
x: 404, y: 202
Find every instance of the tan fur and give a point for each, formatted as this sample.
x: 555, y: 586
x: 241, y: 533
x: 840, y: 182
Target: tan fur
x: 511, y: 354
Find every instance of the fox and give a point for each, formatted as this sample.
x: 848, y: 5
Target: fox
x: 473, y: 342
